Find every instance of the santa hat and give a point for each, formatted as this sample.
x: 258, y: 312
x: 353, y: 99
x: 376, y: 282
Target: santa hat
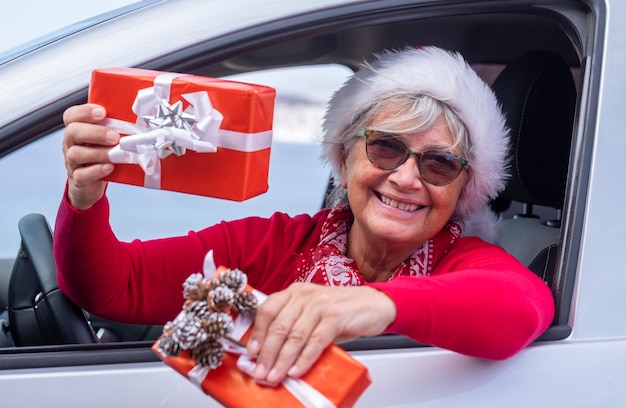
x: 446, y: 77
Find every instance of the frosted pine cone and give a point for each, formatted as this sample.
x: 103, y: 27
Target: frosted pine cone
x: 199, y: 308
x: 168, y: 328
x: 212, y: 284
x: 218, y: 325
x: 194, y: 287
x: 208, y: 353
x: 221, y: 298
x: 245, y: 302
x: 169, y: 346
x: 189, y: 332
x: 234, y: 279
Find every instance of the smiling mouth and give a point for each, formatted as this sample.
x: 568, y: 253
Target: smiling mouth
x: 399, y: 205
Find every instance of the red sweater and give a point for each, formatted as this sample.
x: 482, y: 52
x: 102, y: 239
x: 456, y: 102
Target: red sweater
x: 479, y: 300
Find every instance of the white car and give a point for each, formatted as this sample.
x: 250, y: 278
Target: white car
x: 557, y: 67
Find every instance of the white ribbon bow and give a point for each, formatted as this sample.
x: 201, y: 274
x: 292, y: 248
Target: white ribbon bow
x: 163, y: 129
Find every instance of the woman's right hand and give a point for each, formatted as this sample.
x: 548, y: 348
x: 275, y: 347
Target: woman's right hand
x: 86, y: 148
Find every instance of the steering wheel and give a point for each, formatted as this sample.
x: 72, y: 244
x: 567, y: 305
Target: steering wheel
x: 39, y: 313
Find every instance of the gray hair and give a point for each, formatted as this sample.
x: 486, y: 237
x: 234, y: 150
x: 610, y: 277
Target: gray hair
x: 411, y: 114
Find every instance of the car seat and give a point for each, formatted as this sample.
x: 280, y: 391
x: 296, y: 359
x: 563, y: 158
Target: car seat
x: 538, y: 96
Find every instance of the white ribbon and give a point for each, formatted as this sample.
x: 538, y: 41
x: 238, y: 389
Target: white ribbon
x: 300, y: 389
x: 162, y: 129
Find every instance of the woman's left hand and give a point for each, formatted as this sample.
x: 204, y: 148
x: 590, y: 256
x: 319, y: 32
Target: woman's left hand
x: 292, y: 327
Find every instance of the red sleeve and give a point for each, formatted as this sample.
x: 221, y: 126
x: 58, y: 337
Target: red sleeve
x: 266, y: 249
x: 141, y: 281
x: 479, y: 301
x: 128, y: 282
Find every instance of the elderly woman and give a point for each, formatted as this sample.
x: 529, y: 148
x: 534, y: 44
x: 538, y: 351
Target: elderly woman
x: 417, y: 144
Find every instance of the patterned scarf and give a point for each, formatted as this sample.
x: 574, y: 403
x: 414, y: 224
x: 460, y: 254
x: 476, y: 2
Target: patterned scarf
x: 327, y: 263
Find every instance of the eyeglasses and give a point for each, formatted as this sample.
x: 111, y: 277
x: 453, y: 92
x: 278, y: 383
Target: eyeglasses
x: 386, y: 151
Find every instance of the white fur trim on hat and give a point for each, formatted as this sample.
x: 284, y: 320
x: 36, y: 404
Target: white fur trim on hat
x: 442, y: 75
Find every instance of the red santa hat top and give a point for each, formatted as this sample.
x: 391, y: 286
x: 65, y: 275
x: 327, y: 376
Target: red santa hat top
x: 446, y: 77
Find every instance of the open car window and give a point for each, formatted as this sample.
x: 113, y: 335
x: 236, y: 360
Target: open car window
x: 297, y: 181
x: 297, y: 177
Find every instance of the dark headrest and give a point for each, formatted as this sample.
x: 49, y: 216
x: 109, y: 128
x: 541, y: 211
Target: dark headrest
x: 538, y: 97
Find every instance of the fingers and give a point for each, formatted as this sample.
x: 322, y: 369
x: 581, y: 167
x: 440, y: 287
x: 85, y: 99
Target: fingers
x: 84, y: 171
x: 317, y: 342
x: 88, y: 113
x: 79, y: 156
x: 81, y: 127
x: 85, y: 148
x: 292, y: 335
x: 293, y: 327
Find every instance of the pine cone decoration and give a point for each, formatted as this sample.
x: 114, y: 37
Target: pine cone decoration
x: 194, y: 287
x: 221, y: 299
x: 199, y: 308
x: 206, y: 316
x: 188, y: 332
x: 210, y: 285
x: 218, y: 325
x: 169, y: 346
x: 245, y: 302
x: 234, y: 279
x: 169, y: 328
x: 208, y: 353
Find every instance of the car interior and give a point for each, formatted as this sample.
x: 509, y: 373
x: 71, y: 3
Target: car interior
x: 531, y: 57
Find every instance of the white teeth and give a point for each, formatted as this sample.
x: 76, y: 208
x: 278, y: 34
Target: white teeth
x: 402, y: 206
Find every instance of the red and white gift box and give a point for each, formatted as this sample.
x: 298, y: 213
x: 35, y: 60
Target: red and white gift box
x: 187, y: 133
x: 335, y: 380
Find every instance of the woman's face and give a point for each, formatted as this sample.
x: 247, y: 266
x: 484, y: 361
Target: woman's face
x: 397, y: 208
